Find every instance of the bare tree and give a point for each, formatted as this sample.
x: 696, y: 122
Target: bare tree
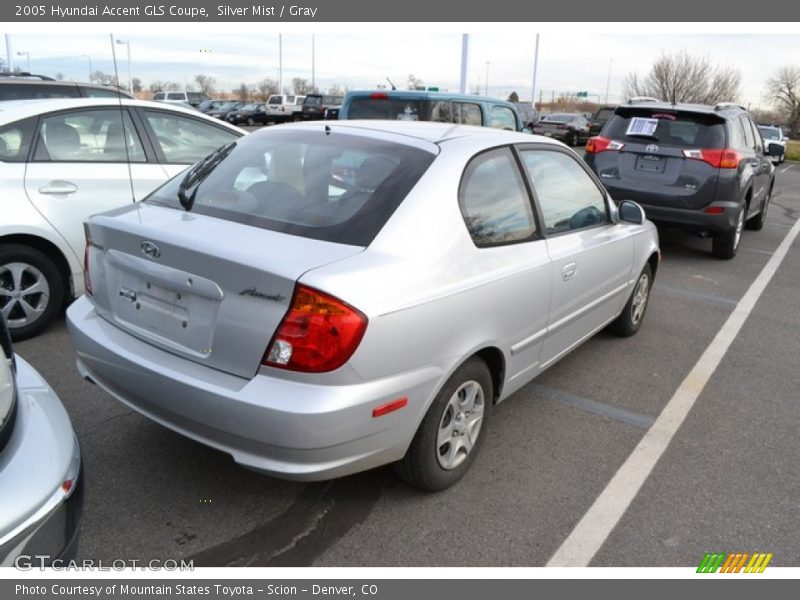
x: 137, y: 85
x: 513, y: 97
x: 104, y: 78
x: 267, y: 87
x: 335, y: 90
x: 680, y: 77
x: 243, y: 92
x: 59, y: 76
x: 301, y: 87
x: 784, y: 89
x: 205, y: 83
x: 414, y: 82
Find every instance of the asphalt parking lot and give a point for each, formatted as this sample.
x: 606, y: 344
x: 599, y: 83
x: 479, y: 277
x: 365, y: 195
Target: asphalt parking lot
x: 728, y: 481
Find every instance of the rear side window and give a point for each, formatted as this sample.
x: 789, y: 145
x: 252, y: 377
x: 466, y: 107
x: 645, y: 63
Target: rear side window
x: 184, y: 140
x: 338, y: 187
x: 568, y: 197
x: 92, y: 92
x: 15, y: 140
x: 158, y: 96
x: 503, y: 117
x: 393, y: 109
x: 669, y: 128
x: 467, y: 113
x: 494, y: 203
x: 30, y: 91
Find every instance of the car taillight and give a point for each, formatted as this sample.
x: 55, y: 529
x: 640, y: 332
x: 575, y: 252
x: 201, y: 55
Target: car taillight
x: 720, y: 158
x: 319, y: 333
x: 599, y: 143
x: 379, y: 96
x: 87, y: 282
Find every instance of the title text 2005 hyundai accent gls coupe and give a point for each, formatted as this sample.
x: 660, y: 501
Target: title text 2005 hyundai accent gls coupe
x: 319, y: 299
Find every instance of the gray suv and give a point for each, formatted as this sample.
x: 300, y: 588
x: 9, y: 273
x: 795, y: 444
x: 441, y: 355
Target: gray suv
x: 700, y: 168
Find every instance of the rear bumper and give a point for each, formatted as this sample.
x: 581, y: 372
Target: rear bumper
x: 290, y: 429
x: 695, y: 220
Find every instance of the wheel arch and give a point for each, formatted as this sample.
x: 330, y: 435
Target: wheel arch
x: 47, y: 248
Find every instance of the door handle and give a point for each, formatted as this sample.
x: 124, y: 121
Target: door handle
x: 59, y: 187
x: 568, y: 271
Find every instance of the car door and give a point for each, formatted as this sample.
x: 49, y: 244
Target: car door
x: 181, y: 140
x: 82, y: 165
x: 591, y: 257
x: 511, y: 259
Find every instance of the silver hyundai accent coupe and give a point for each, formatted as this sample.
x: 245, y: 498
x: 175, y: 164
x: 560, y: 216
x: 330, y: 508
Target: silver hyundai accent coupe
x: 324, y: 298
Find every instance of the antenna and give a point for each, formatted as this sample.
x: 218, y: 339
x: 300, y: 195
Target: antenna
x: 391, y: 84
x: 122, y: 119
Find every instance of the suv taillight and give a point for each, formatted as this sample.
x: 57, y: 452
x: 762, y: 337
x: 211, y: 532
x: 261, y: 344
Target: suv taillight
x: 319, y: 333
x: 87, y: 281
x: 599, y: 143
x: 719, y: 158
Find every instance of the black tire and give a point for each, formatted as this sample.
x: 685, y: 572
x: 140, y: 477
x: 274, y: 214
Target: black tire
x: 725, y: 245
x: 422, y: 465
x: 757, y: 222
x: 250, y: 121
x: 630, y: 319
x: 574, y: 140
x: 34, y: 266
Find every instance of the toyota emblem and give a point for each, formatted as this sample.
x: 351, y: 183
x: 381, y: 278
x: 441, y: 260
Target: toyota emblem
x: 651, y: 148
x: 150, y: 249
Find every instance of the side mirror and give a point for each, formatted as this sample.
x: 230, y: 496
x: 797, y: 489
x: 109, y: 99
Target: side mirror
x: 630, y: 212
x: 774, y: 150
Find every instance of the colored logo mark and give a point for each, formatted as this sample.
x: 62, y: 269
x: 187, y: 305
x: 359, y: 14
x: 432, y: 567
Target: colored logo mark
x: 734, y: 562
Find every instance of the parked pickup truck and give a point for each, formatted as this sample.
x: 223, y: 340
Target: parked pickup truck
x: 282, y: 108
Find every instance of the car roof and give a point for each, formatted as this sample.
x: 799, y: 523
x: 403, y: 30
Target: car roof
x: 429, y: 131
x: 720, y: 109
x: 426, y: 95
x: 14, y: 110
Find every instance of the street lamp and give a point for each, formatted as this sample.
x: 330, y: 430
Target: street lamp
x: 27, y: 55
x: 128, y: 48
x: 89, y: 58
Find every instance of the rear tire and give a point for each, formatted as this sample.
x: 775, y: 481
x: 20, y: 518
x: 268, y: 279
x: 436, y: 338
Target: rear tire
x: 630, y: 320
x: 251, y: 121
x: 450, y: 435
x: 32, y: 290
x: 725, y: 245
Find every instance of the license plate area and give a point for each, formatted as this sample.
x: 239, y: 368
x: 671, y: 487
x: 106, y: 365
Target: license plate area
x: 650, y: 163
x: 168, y: 307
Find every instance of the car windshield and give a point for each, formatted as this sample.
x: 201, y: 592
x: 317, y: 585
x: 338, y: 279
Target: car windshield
x: 250, y: 107
x: 557, y: 118
x: 671, y: 128
x: 770, y: 133
x: 330, y: 186
x: 228, y: 106
x: 275, y: 100
x: 313, y: 100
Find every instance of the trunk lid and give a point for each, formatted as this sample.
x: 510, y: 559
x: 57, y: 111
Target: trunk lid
x: 207, y: 289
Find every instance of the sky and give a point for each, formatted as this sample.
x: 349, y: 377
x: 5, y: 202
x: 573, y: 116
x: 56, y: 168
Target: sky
x: 568, y: 62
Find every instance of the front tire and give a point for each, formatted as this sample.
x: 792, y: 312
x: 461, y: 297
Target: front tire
x: 725, y: 245
x: 31, y: 290
x: 450, y: 435
x: 630, y: 320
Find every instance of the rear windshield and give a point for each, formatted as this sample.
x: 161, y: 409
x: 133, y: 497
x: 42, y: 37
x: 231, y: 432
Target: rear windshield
x: 670, y: 128
x: 335, y: 187
x: 312, y: 101
x: 29, y: 91
x: 770, y: 133
x: 602, y: 115
x: 393, y: 109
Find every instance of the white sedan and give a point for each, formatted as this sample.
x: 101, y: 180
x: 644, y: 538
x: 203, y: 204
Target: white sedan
x: 63, y: 160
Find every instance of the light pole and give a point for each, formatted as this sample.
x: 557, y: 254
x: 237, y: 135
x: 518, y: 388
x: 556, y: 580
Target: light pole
x: 313, y: 82
x: 128, y: 49
x: 89, y: 58
x: 463, y: 84
x: 535, y: 68
x: 280, y: 63
x: 27, y: 55
x: 608, y: 79
x: 487, y: 79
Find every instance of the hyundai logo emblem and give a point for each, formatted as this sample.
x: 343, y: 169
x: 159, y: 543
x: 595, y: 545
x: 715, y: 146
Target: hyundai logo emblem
x: 150, y: 249
x: 651, y: 148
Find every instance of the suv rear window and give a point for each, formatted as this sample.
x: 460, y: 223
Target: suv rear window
x: 393, y: 109
x: 338, y: 187
x: 176, y: 96
x: 673, y: 128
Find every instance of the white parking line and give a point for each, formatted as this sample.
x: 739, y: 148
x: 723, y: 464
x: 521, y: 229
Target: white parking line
x: 596, y: 525
x: 784, y: 169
